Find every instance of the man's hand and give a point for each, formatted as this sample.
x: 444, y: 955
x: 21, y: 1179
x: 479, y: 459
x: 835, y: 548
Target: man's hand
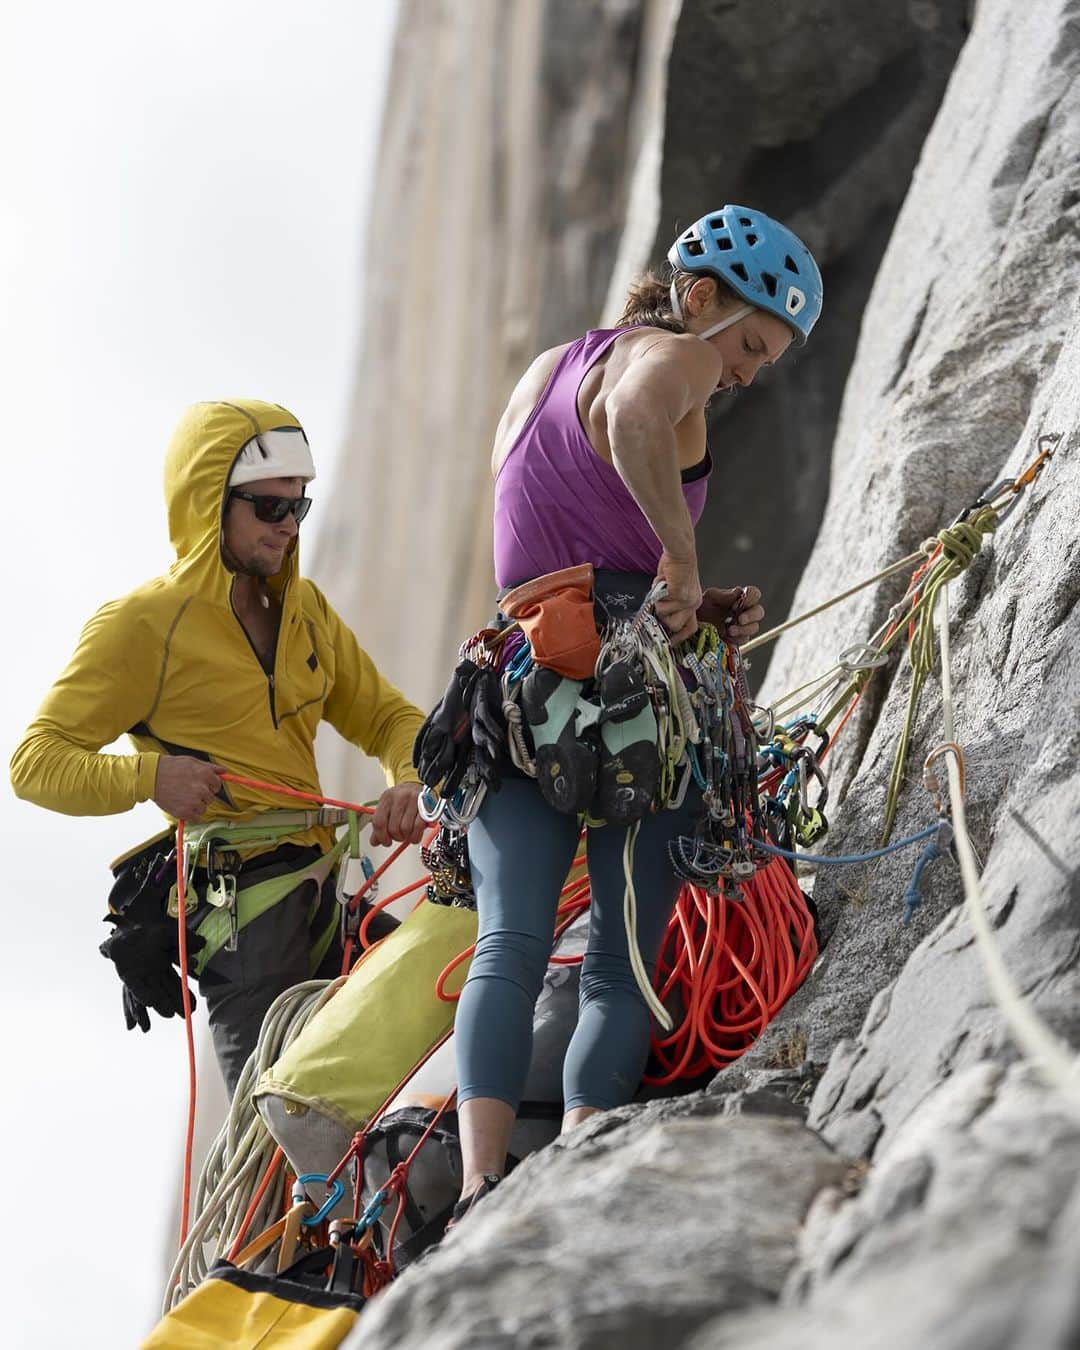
x: 678, y: 611
x: 397, y: 816
x: 184, y: 786
x: 736, y: 610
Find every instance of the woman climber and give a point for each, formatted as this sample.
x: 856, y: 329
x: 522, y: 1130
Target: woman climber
x: 601, y: 470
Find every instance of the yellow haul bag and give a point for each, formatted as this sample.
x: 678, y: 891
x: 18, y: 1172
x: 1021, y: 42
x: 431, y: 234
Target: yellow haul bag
x: 378, y: 1026
x: 235, y: 1309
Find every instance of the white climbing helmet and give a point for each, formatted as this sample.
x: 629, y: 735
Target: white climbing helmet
x: 281, y: 453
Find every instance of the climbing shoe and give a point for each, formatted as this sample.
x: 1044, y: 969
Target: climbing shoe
x: 565, y: 765
x: 466, y: 1206
x: 629, y: 771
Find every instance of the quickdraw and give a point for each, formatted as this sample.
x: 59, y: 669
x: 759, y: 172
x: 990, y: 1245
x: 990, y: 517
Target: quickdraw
x: 723, y: 760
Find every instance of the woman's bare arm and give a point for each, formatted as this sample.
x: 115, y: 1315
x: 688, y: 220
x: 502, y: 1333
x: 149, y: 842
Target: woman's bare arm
x: 673, y: 378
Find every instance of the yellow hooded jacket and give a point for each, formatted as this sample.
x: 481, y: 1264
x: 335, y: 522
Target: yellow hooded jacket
x: 171, y: 665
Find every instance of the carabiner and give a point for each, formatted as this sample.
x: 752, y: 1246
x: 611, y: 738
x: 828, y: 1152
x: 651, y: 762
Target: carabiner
x: 337, y: 1193
x: 430, y: 805
x: 862, y: 656
x: 930, y: 781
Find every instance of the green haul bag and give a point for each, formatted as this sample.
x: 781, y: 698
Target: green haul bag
x: 357, y: 1049
x: 296, y: 1310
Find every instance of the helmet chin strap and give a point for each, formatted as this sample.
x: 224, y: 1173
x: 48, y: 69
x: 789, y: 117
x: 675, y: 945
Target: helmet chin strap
x: 734, y: 317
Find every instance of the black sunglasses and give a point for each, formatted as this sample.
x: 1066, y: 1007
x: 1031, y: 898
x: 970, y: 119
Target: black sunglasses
x: 273, y: 510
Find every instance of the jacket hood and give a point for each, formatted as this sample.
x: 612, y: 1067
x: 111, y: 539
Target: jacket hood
x: 200, y: 458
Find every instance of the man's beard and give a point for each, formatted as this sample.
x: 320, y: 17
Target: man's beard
x: 252, y: 568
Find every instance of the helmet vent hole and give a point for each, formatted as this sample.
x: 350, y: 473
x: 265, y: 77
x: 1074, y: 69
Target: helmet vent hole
x: 724, y: 244
x: 789, y: 263
x: 717, y: 223
x: 770, y: 282
x: 745, y: 221
x: 695, y: 248
x: 751, y: 239
x: 740, y: 271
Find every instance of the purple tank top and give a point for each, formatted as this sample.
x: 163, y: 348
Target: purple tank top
x: 557, y: 503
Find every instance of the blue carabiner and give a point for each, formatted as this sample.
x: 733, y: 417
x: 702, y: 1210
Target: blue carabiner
x: 337, y: 1192
x: 520, y: 664
x: 373, y: 1211
x: 695, y: 767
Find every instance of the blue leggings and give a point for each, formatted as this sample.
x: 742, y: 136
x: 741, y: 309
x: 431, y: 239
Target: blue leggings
x: 520, y: 850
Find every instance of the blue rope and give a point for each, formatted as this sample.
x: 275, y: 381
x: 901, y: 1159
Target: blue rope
x: 913, y: 895
x: 936, y: 848
x: 848, y: 857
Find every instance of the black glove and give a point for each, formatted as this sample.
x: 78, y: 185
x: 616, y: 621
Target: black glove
x: 488, y: 727
x: 146, y: 952
x: 442, y: 743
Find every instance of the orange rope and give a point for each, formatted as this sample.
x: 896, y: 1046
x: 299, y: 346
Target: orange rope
x: 295, y: 792
x: 726, y: 968
x: 189, y: 1031
x: 264, y: 1185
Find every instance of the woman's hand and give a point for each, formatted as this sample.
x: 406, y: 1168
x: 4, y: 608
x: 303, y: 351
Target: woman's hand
x: 736, y: 610
x: 397, y: 816
x: 678, y: 611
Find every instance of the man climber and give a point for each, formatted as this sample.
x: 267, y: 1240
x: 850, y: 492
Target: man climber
x: 227, y: 663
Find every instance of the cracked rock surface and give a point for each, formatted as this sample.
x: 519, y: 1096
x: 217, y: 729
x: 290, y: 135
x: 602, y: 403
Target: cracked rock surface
x: 634, y: 1230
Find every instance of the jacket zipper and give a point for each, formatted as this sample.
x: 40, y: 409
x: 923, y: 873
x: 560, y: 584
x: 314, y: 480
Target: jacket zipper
x: 270, y: 686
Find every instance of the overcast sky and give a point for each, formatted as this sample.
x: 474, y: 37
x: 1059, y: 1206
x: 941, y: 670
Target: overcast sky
x: 181, y: 204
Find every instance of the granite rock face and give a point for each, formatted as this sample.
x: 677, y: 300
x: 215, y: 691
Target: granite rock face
x: 634, y: 1230
x: 816, y: 113
x: 965, y: 1234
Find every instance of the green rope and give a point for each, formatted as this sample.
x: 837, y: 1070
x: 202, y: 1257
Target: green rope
x: 960, y: 543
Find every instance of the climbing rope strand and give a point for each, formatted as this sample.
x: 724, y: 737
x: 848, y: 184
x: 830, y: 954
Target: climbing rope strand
x: 845, y: 858
x: 960, y: 543
x: 874, y: 650
x: 821, y: 687
x: 641, y: 975
x: 243, y: 1150
x: 901, y: 565
x: 998, y: 499
x: 1055, y: 1059
x: 189, y: 1032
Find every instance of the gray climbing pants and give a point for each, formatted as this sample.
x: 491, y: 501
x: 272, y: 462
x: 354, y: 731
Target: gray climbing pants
x: 520, y: 850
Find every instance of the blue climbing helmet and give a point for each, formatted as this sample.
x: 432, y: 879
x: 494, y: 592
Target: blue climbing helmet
x: 760, y: 259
